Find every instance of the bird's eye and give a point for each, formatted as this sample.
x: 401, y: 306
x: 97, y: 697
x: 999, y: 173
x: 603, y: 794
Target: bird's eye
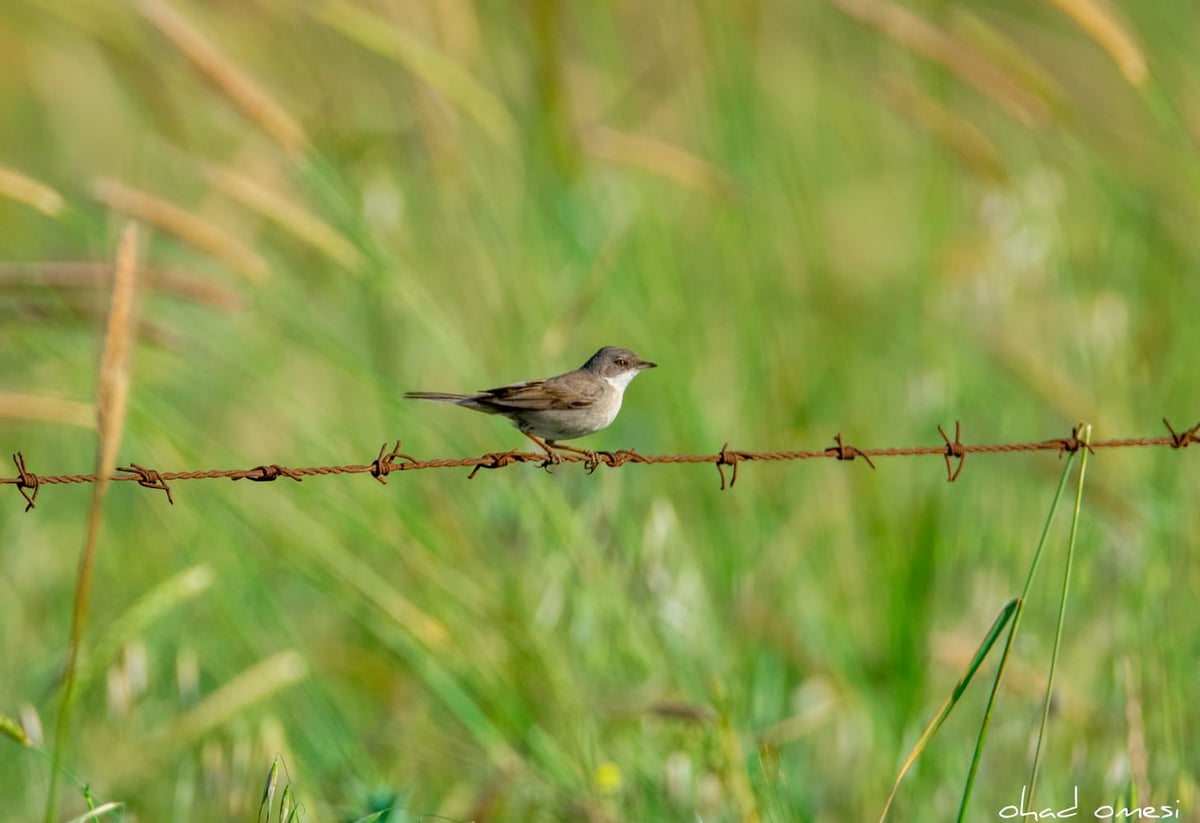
x: 621, y: 361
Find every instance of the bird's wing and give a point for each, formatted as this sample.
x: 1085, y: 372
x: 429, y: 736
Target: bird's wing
x: 543, y: 395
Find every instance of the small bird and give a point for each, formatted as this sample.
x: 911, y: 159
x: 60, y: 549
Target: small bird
x: 564, y: 407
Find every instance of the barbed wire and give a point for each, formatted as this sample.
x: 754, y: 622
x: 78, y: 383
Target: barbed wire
x: 393, y: 460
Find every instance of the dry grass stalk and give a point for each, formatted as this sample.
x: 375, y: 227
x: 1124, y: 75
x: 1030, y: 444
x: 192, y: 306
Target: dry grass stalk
x: 71, y: 274
x: 46, y: 409
x: 226, y: 76
x: 112, y: 393
x: 657, y: 157
x: 965, y: 140
x: 1106, y: 29
x: 923, y: 38
x: 1011, y: 57
x: 185, y: 225
x: 24, y: 189
x: 292, y: 218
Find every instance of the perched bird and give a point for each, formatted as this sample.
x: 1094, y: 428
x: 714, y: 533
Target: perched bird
x: 571, y: 405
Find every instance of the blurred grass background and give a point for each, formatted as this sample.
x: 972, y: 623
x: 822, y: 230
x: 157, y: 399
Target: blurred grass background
x: 816, y: 217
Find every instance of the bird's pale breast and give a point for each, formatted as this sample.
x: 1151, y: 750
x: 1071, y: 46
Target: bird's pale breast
x: 566, y: 424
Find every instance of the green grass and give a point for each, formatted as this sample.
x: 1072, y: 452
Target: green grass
x: 808, y: 225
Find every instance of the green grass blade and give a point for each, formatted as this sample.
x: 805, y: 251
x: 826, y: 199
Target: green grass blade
x: 1012, y: 634
x: 267, y: 803
x: 289, y: 809
x: 981, y: 654
x: 14, y: 731
x: 1062, y: 611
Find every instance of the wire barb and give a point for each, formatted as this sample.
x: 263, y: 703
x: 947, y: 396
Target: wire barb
x: 498, y: 460
x: 1072, y: 444
x: 27, y: 482
x: 1180, y: 440
x: 148, y: 479
x: 619, y: 458
x: 728, y: 458
x: 265, y: 474
x: 385, y: 463
x: 843, y: 452
x: 955, y: 449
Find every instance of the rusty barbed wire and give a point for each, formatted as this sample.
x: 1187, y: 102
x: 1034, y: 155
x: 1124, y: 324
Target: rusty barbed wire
x: 394, y: 460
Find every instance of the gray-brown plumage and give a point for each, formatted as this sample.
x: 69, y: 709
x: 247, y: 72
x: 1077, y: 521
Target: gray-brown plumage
x: 563, y: 407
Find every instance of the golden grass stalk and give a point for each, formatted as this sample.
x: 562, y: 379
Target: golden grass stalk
x: 428, y: 65
x: 1106, y: 29
x: 292, y: 218
x: 922, y: 37
x: 46, y: 409
x: 958, y: 134
x: 1010, y: 57
x: 226, y: 76
x: 657, y: 157
x: 112, y: 393
x: 24, y: 189
x: 66, y: 274
x: 188, y: 227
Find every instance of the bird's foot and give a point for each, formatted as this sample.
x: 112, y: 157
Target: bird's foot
x: 595, y: 458
x: 553, y: 458
x: 591, y: 459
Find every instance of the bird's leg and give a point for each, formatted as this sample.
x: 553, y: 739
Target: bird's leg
x: 593, y: 457
x: 552, y: 458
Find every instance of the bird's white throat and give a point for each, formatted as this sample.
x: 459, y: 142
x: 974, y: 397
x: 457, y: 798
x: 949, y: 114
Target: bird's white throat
x: 620, y: 381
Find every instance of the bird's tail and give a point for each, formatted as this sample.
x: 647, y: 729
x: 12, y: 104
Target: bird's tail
x: 441, y: 397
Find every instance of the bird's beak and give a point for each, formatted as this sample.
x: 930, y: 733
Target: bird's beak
x: 646, y: 364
